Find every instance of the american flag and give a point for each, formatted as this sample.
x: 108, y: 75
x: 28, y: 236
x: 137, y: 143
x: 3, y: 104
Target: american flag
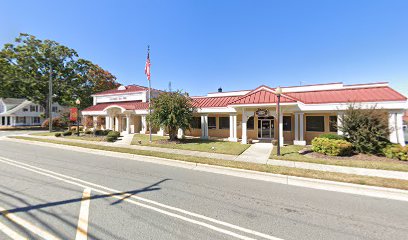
x: 147, y: 67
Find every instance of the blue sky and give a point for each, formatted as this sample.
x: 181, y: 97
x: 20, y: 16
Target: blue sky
x: 202, y: 45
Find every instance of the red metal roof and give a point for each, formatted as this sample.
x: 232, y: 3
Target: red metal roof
x: 213, y: 101
x: 130, y: 88
x: 371, y: 94
x: 130, y: 105
x: 262, y: 95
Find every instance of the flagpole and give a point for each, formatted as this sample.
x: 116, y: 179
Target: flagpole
x: 150, y: 110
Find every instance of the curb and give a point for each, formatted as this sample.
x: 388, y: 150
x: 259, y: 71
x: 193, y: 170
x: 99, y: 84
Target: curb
x: 341, y: 169
x: 351, y: 188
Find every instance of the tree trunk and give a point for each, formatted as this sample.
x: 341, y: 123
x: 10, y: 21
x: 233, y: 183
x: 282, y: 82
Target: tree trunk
x: 173, y: 134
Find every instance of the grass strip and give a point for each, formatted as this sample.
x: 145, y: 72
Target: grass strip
x: 340, y: 177
x: 290, y: 153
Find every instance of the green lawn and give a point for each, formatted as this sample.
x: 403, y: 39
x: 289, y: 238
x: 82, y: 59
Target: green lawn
x: 89, y: 137
x: 290, y: 152
x: 194, y: 144
x: 341, y: 177
x: 44, y: 133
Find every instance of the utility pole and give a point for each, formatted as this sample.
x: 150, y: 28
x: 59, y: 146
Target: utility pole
x: 50, y: 101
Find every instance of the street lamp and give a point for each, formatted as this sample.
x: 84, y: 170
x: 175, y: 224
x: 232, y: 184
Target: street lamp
x: 77, y: 102
x: 278, y: 92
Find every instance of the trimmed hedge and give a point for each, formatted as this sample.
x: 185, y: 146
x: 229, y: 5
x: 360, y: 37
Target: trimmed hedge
x: 331, y: 136
x: 111, y: 138
x: 58, y: 134
x: 332, y: 147
x: 113, y: 134
x: 102, y: 132
x: 396, y: 151
x: 88, y: 132
x: 67, y: 133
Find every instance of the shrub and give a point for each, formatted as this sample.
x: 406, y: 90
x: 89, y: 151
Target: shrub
x: 332, y: 147
x: 396, y: 151
x: 58, y: 134
x: 366, y: 129
x: 113, y: 134
x: 111, y: 138
x: 88, y: 132
x: 105, y: 132
x: 57, y: 123
x: 67, y: 133
x: 331, y: 136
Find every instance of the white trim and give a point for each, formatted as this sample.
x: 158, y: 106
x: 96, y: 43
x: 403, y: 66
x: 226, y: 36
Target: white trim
x: 227, y: 94
x: 114, y: 106
x: 216, y: 110
x: 94, y: 113
x: 262, y: 105
x: 343, y: 106
x: 317, y: 87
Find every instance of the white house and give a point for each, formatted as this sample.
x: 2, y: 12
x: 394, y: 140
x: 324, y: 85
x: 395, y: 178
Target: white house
x: 21, y: 112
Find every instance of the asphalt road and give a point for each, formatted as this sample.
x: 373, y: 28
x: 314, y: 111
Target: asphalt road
x: 44, y: 186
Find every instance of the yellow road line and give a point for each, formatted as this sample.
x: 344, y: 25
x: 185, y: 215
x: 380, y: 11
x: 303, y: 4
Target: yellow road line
x: 27, y: 225
x: 11, y: 233
x: 82, y: 229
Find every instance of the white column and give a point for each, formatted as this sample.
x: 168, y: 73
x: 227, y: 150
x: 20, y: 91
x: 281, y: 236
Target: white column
x: 95, y: 122
x: 1, y: 121
x: 396, y: 131
x: 296, y: 127
x: 107, y: 122
x: 204, y: 126
x: 161, y: 132
x: 233, y: 128
x: 116, y: 123
x: 144, y: 126
x: 128, y: 123
x: 244, y: 127
x: 13, y: 121
x: 299, y: 130
x: 180, y: 133
x: 340, y: 116
x: 281, y: 129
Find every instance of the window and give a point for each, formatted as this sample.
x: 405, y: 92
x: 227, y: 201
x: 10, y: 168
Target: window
x: 333, y: 123
x: 35, y: 120
x: 287, y: 123
x: 315, y: 123
x: 25, y: 109
x: 32, y: 108
x: 196, y: 122
x: 20, y: 120
x: 54, y: 109
x: 211, y: 123
x: 224, y: 122
x: 250, y: 123
x: 41, y: 109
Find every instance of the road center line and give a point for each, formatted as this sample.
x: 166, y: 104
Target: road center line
x: 11, y: 233
x: 82, y: 229
x: 27, y: 225
x: 61, y: 177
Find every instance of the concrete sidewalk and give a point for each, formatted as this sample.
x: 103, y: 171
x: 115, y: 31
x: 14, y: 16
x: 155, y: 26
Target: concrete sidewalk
x: 257, y: 153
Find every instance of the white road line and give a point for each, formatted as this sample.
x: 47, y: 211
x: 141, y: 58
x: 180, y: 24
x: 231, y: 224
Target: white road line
x: 27, y: 225
x: 11, y: 233
x: 61, y: 177
x: 82, y: 229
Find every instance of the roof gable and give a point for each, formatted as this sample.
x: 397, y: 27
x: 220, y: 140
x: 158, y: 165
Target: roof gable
x: 262, y: 95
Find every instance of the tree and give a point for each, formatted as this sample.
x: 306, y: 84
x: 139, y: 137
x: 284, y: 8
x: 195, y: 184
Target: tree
x: 172, y: 110
x: 26, y: 65
x: 366, y: 129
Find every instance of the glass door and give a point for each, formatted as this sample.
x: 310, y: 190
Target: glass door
x: 264, y: 128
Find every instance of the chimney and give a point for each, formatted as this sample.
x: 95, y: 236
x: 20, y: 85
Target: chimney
x: 219, y: 89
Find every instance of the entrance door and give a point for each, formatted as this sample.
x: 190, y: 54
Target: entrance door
x: 265, y: 128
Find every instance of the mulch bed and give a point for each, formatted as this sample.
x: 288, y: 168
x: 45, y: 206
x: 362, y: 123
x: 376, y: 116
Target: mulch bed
x: 359, y: 156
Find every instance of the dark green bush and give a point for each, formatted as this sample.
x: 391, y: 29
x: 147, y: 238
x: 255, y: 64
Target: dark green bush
x: 396, y: 151
x: 58, y: 134
x: 113, y: 134
x: 111, y: 138
x: 67, y: 133
x: 88, y: 132
x: 331, y: 136
x: 366, y: 129
x: 105, y: 132
x: 332, y: 147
